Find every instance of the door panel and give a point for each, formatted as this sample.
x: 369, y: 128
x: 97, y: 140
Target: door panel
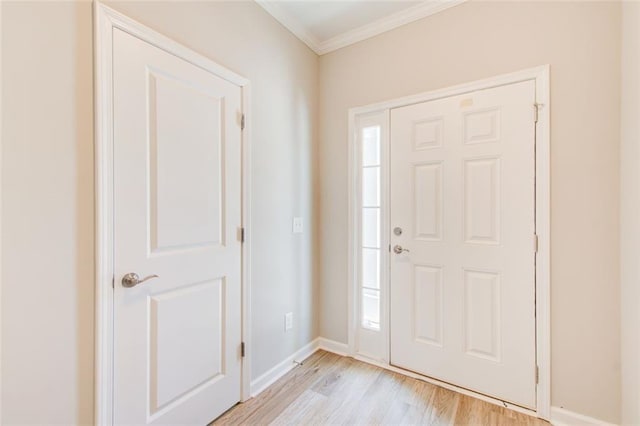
x: 462, y: 189
x: 177, y: 211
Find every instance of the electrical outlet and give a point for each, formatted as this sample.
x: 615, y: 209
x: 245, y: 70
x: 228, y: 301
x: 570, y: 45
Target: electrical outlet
x: 297, y: 225
x: 288, y: 321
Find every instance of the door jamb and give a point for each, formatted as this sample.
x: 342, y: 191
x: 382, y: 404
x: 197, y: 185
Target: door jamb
x: 1, y: 145
x: 105, y: 21
x: 543, y: 216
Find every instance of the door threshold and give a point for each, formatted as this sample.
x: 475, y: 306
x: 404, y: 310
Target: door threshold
x: 449, y: 386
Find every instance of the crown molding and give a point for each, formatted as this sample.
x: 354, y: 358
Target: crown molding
x: 291, y: 23
x: 419, y: 11
x: 385, y: 24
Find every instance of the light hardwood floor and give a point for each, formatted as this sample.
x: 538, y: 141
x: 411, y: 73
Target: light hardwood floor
x: 330, y: 389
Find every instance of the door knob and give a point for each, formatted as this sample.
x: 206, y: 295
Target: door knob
x: 132, y: 279
x: 398, y: 249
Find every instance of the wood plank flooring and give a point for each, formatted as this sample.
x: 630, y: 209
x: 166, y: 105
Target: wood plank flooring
x: 332, y: 390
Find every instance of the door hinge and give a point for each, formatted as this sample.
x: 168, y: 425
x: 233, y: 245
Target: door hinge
x: 535, y: 242
x: 537, y: 374
x: 242, y: 235
x: 242, y: 349
x: 242, y: 122
x: 536, y: 111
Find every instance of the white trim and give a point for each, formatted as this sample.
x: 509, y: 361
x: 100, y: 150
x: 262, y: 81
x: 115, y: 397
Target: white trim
x: 562, y: 417
x: 388, y: 23
x: 543, y: 227
x: 372, y: 29
x: 357, y: 334
x: 332, y: 346
x: 270, y: 377
x: 543, y: 230
x: 1, y: 144
x: 291, y: 23
x: 105, y: 20
x: 246, y: 246
x: 353, y: 247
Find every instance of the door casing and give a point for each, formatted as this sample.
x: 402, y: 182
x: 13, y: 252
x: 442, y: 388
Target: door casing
x: 105, y: 21
x: 542, y: 214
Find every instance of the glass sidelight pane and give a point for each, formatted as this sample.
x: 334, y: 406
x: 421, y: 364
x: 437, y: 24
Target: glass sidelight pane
x: 370, y: 175
x: 371, y: 186
x: 371, y: 268
x: 371, y: 309
x: 371, y: 146
x: 371, y: 227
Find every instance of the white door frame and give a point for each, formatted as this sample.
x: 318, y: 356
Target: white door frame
x: 105, y: 21
x: 543, y: 229
x: 1, y: 210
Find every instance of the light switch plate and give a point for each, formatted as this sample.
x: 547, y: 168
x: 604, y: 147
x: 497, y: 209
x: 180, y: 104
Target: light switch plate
x: 297, y: 225
x: 288, y: 321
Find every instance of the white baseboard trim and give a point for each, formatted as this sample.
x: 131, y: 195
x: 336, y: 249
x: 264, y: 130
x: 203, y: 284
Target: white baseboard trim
x: 271, y: 376
x: 562, y: 417
x: 333, y: 346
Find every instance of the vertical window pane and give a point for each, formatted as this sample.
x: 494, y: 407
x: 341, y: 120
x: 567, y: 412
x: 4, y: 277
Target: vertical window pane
x: 371, y: 227
x: 371, y: 309
x: 371, y: 187
x: 371, y: 146
x: 371, y: 199
x: 371, y: 268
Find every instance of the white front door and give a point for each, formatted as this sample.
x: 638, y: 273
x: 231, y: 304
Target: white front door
x: 177, y: 213
x: 462, y: 174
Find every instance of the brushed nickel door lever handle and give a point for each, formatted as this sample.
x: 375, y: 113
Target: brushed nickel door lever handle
x: 398, y: 249
x: 132, y: 279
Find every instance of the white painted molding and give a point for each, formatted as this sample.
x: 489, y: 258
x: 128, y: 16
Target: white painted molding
x: 543, y: 219
x: 562, y: 417
x: 365, y: 342
x: 248, y: 238
x: 105, y: 21
x: 388, y: 23
x: 419, y: 11
x: 332, y: 346
x: 291, y: 23
x: 270, y: 377
x: 1, y: 422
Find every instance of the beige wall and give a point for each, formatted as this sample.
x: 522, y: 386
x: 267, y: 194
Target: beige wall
x: 630, y: 213
x: 47, y: 188
x: 581, y: 42
x: 47, y: 213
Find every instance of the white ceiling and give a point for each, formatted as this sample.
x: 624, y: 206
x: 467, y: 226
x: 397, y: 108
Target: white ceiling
x: 327, y: 25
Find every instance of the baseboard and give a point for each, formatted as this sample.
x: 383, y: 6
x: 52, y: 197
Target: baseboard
x: 333, y: 346
x: 271, y: 376
x: 562, y: 417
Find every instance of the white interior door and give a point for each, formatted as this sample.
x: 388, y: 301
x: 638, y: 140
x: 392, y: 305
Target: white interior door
x: 462, y: 295
x: 177, y: 212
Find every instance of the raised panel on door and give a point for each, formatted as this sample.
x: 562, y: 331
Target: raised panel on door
x: 181, y: 360
x: 177, y: 211
x: 427, y: 306
x: 481, y: 208
x: 427, y: 184
x: 186, y: 173
x: 462, y: 187
x: 482, y: 327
